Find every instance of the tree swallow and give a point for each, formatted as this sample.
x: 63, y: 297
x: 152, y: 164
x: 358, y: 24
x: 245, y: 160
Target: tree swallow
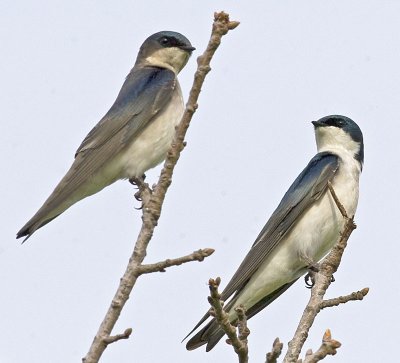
x: 301, y: 231
x: 133, y: 136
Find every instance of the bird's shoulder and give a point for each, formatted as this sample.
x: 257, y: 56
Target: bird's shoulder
x: 145, y: 82
x: 308, y: 187
x: 144, y: 93
x: 320, y: 168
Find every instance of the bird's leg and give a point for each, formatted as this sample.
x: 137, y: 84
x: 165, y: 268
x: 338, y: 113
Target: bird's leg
x: 141, y: 186
x: 137, y: 180
x: 309, y: 278
x: 313, y: 268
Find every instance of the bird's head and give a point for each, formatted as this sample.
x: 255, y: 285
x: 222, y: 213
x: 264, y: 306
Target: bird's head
x: 337, y: 132
x: 165, y: 49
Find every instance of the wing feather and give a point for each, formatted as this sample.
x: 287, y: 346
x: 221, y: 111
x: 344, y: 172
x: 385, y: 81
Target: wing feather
x: 305, y: 190
x: 143, y: 94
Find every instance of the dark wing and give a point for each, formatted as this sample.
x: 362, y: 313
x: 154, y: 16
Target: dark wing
x: 144, y: 92
x: 305, y: 190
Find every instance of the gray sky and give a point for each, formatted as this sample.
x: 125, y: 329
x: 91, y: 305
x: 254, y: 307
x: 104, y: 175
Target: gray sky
x: 288, y: 63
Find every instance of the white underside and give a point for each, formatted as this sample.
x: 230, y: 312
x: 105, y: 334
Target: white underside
x: 151, y: 147
x: 312, y: 237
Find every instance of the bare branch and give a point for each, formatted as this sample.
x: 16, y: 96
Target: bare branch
x: 153, y: 200
x: 276, y: 351
x: 328, y: 347
x: 125, y: 335
x: 337, y: 201
x: 323, y: 279
x: 243, y: 330
x: 358, y: 295
x: 161, y: 266
x: 239, y: 343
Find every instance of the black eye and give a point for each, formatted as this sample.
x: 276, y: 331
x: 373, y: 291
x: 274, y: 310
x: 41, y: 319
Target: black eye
x: 336, y: 122
x: 164, y: 41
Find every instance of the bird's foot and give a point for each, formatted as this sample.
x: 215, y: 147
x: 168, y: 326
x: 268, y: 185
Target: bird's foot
x: 138, y: 181
x: 138, y: 197
x: 309, y: 279
x: 140, y: 184
x: 142, y: 187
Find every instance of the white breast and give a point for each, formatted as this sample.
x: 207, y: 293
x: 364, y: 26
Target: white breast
x: 150, y: 147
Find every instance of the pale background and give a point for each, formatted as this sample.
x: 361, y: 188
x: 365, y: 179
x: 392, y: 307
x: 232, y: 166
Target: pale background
x: 62, y: 64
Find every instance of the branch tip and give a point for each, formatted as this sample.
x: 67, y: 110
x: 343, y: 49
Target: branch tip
x: 354, y: 296
x: 198, y: 255
x: 112, y: 339
x: 238, y: 341
x: 329, y: 346
x: 273, y: 355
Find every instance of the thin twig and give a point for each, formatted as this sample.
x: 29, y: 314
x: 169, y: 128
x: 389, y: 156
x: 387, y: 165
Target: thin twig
x: 153, y: 201
x: 337, y: 201
x: 323, y: 279
x: 358, y: 295
x: 161, y: 266
x: 243, y: 330
x: 273, y: 355
x: 125, y: 335
x: 328, y: 347
x: 239, y: 343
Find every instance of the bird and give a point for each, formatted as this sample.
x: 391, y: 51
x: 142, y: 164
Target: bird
x: 302, y: 229
x: 133, y: 136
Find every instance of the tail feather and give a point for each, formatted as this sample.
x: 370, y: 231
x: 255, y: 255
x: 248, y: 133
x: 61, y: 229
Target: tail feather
x: 58, y: 202
x: 211, y: 334
x: 72, y: 188
x: 32, y: 225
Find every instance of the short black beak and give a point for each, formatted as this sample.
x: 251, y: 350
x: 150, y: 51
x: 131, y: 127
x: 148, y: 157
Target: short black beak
x: 318, y: 124
x: 188, y: 48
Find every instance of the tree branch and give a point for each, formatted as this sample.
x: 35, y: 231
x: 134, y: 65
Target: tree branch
x: 161, y: 266
x: 243, y: 330
x: 337, y: 201
x: 239, y: 343
x: 328, y: 347
x: 323, y: 279
x: 358, y: 295
x: 273, y: 355
x: 125, y: 335
x: 153, y: 200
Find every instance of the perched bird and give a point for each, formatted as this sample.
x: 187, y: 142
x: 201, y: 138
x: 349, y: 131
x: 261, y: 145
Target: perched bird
x: 303, y: 228
x: 133, y: 136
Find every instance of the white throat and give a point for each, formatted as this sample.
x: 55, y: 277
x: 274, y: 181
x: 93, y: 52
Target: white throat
x: 173, y: 59
x: 337, y: 141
